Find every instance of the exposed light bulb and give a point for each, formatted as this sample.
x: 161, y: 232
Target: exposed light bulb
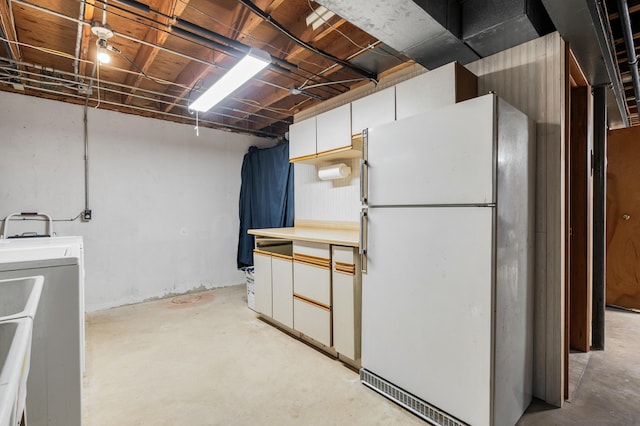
x: 103, y: 56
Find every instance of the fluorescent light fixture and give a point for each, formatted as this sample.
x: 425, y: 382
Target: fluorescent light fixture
x: 318, y: 17
x: 250, y: 65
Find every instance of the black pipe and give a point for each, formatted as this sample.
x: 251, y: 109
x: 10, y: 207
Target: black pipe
x: 268, y: 18
x: 632, y: 57
x: 193, y: 29
x: 219, y: 46
x: 219, y: 37
x: 136, y: 5
x: 599, y: 215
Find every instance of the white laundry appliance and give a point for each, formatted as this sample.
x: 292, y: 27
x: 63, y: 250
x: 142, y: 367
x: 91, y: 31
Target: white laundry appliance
x: 57, y: 359
x: 448, y: 245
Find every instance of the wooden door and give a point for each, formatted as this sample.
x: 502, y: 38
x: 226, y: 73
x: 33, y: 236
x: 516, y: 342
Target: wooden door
x: 579, y: 222
x: 623, y: 218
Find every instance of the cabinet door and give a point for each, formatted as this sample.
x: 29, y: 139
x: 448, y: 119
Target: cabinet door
x: 373, y: 110
x: 346, y: 302
x: 262, y: 282
x: 334, y: 129
x: 282, y: 285
x: 440, y: 87
x: 302, y: 139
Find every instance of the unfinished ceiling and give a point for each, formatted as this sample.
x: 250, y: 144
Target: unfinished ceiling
x: 617, y: 26
x: 164, y: 53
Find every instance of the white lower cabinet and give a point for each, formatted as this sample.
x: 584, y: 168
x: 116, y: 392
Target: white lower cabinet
x: 273, y: 280
x: 282, y: 289
x: 346, y: 301
x: 262, y: 282
x: 313, y: 288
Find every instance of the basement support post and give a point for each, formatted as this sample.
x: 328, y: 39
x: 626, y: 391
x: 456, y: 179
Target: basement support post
x: 599, y: 214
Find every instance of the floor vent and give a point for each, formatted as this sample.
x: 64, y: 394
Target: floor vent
x: 408, y: 401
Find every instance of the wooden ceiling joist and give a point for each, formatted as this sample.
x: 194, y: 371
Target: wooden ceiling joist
x: 146, y: 53
x: 8, y: 29
x: 181, y: 43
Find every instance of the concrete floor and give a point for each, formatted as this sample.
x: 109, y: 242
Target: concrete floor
x: 205, y: 359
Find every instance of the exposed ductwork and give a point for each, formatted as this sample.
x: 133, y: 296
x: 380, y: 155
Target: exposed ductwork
x: 493, y: 26
x: 436, y: 32
x: 585, y: 26
x: 425, y: 31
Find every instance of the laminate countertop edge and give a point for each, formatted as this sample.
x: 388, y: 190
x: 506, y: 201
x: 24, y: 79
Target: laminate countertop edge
x: 339, y: 237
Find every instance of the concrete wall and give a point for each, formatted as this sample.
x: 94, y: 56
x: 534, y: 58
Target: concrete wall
x: 165, y: 202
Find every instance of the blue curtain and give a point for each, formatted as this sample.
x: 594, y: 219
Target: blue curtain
x: 266, y: 195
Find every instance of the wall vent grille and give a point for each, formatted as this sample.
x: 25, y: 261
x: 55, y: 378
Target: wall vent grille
x: 417, y: 406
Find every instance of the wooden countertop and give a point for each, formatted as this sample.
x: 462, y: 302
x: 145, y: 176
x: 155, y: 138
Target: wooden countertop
x: 342, y: 236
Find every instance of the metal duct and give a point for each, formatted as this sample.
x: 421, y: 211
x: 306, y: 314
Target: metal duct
x: 492, y: 26
x: 425, y: 30
x: 585, y: 26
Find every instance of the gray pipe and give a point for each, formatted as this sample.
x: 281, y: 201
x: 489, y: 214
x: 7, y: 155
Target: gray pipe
x: 632, y: 58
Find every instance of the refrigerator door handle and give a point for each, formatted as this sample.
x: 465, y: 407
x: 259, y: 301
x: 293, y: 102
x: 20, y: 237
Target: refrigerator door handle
x: 362, y: 245
x: 363, y: 196
x: 364, y: 168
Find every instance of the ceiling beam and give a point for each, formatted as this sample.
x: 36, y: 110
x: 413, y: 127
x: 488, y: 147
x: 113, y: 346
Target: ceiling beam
x: 147, y: 54
x: 89, y: 11
x: 8, y: 29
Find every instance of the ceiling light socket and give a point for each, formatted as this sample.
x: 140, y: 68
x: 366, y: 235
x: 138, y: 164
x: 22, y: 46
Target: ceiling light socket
x: 103, y: 32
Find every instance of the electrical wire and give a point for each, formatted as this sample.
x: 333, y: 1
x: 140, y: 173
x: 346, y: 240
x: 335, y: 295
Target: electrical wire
x: 43, y: 49
x: 74, y: 86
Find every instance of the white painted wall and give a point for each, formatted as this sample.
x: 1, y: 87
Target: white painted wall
x: 165, y: 202
x: 329, y: 200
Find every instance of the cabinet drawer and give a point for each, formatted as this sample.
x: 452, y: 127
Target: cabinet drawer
x: 312, y: 282
x: 343, y: 255
x: 312, y: 320
x: 319, y: 250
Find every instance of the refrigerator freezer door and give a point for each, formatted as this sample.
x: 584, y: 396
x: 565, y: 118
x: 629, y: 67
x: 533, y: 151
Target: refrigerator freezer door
x: 426, y: 305
x: 445, y: 156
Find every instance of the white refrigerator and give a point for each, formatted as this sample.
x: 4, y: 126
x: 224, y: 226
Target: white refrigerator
x: 447, y: 247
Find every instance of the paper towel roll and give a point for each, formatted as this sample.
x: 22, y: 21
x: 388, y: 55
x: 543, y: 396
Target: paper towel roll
x: 336, y: 171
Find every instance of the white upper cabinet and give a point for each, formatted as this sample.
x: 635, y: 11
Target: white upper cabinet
x: 373, y: 110
x: 440, y: 87
x: 334, y: 129
x: 302, y: 139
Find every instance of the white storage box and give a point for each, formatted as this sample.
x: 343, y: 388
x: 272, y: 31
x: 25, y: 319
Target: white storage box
x: 251, y: 291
